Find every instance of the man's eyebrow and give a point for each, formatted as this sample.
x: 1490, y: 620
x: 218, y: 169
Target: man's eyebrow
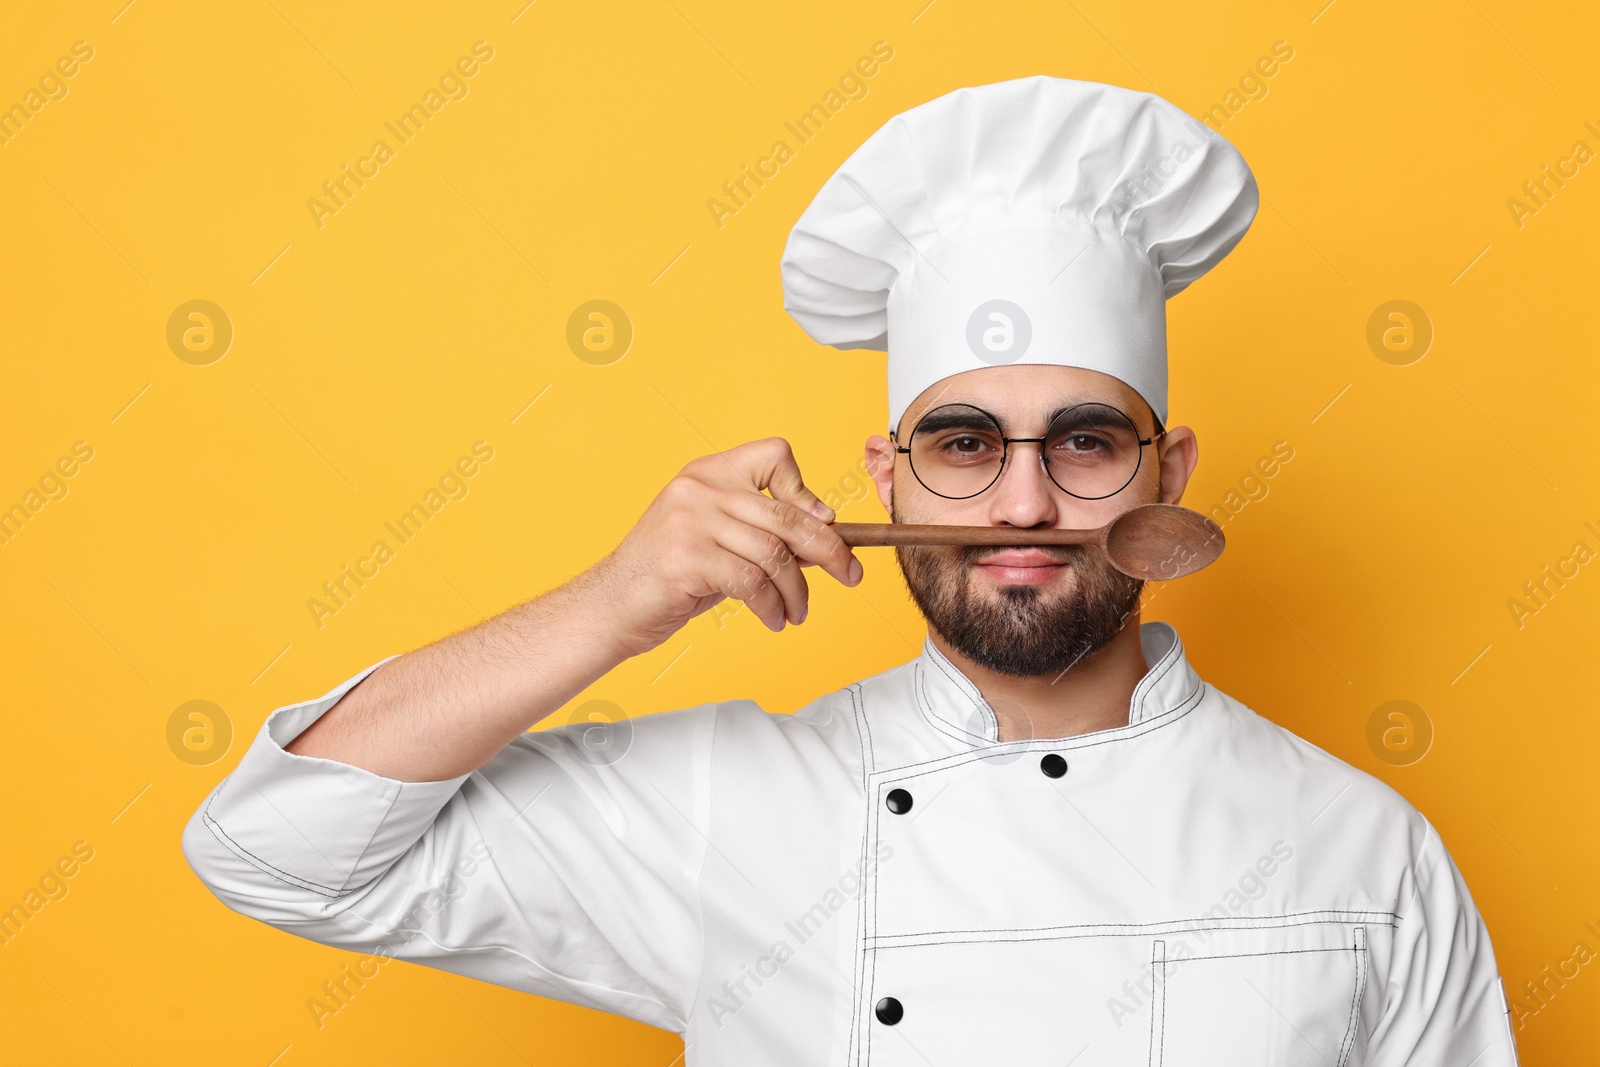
x: 1065, y: 400
x: 1048, y: 419
x: 937, y: 419
x: 1133, y: 414
x: 1070, y: 402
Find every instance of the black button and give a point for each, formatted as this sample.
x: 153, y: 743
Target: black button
x: 889, y: 1011
x: 899, y: 802
x: 1053, y: 766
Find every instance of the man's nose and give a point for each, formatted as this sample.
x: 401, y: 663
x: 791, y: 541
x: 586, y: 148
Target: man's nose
x: 1024, y: 496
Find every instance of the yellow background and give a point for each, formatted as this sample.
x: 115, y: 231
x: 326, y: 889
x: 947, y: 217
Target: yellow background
x: 371, y: 352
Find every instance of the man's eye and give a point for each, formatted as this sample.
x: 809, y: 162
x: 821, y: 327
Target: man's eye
x: 967, y: 444
x: 1081, y: 443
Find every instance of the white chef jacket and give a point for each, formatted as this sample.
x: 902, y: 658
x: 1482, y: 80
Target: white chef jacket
x: 1197, y: 887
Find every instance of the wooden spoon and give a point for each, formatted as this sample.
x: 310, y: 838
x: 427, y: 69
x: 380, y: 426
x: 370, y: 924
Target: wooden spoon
x: 1153, y: 542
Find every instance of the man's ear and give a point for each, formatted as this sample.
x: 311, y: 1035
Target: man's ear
x: 1180, y: 452
x: 880, y: 465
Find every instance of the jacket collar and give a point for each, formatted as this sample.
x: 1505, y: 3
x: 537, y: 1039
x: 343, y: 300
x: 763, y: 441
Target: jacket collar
x: 951, y: 703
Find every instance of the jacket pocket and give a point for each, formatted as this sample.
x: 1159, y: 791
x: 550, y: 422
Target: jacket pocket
x: 1287, y: 996
x: 1240, y: 991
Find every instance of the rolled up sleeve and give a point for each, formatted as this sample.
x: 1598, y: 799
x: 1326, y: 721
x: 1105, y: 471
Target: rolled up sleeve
x: 554, y: 868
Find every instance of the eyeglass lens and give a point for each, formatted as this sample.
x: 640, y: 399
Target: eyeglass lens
x: 1090, y: 450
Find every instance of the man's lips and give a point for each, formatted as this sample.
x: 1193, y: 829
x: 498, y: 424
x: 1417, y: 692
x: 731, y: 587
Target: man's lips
x: 1021, y: 566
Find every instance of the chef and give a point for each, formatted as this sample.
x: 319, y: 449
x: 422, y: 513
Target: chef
x: 1044, y: 840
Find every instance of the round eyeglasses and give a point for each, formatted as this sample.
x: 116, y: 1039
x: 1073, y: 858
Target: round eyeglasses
x: 1091, y: 451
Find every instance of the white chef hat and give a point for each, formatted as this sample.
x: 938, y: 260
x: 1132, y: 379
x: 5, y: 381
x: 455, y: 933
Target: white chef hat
x: 1040, y: 220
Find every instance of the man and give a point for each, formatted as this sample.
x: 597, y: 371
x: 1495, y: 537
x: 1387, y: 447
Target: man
x: 1043, y: 840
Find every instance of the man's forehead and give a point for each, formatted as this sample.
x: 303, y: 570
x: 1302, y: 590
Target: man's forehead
x: 1025, y: 390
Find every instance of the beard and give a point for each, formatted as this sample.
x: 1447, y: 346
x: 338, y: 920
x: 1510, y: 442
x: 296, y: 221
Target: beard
x: 1022, y: 630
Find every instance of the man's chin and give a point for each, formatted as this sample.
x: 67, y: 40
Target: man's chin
x: 1025, y: 628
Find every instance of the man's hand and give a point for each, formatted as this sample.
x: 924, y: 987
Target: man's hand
x: 447, y: 708
x: 712, y: 534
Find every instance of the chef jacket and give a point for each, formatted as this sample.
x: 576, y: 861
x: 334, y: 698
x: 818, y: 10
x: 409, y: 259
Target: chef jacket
x: 876, y: 879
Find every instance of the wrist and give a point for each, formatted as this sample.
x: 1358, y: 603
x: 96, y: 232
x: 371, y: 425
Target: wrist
x: 603, y: 602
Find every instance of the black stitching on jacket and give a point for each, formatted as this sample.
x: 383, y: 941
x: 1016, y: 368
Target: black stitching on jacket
x: 868, y: 764
x: 1268, y: 952
x: 262, y: 865
x: 907, y: 940
x: 934, y: 656
x: 1323, y: 917
x: 1348, y: 1045
x: 1166, y: 718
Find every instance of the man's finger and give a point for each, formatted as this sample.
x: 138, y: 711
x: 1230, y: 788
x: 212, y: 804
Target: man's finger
x: 739, y: 579
x: 811, y: 539
x: 775, y: 558
x: 772, y: 466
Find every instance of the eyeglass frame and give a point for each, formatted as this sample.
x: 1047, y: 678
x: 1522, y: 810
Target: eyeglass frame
x: 1006, y: 443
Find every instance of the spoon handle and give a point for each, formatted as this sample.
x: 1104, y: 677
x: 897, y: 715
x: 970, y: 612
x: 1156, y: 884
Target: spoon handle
x: 866, y: 534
